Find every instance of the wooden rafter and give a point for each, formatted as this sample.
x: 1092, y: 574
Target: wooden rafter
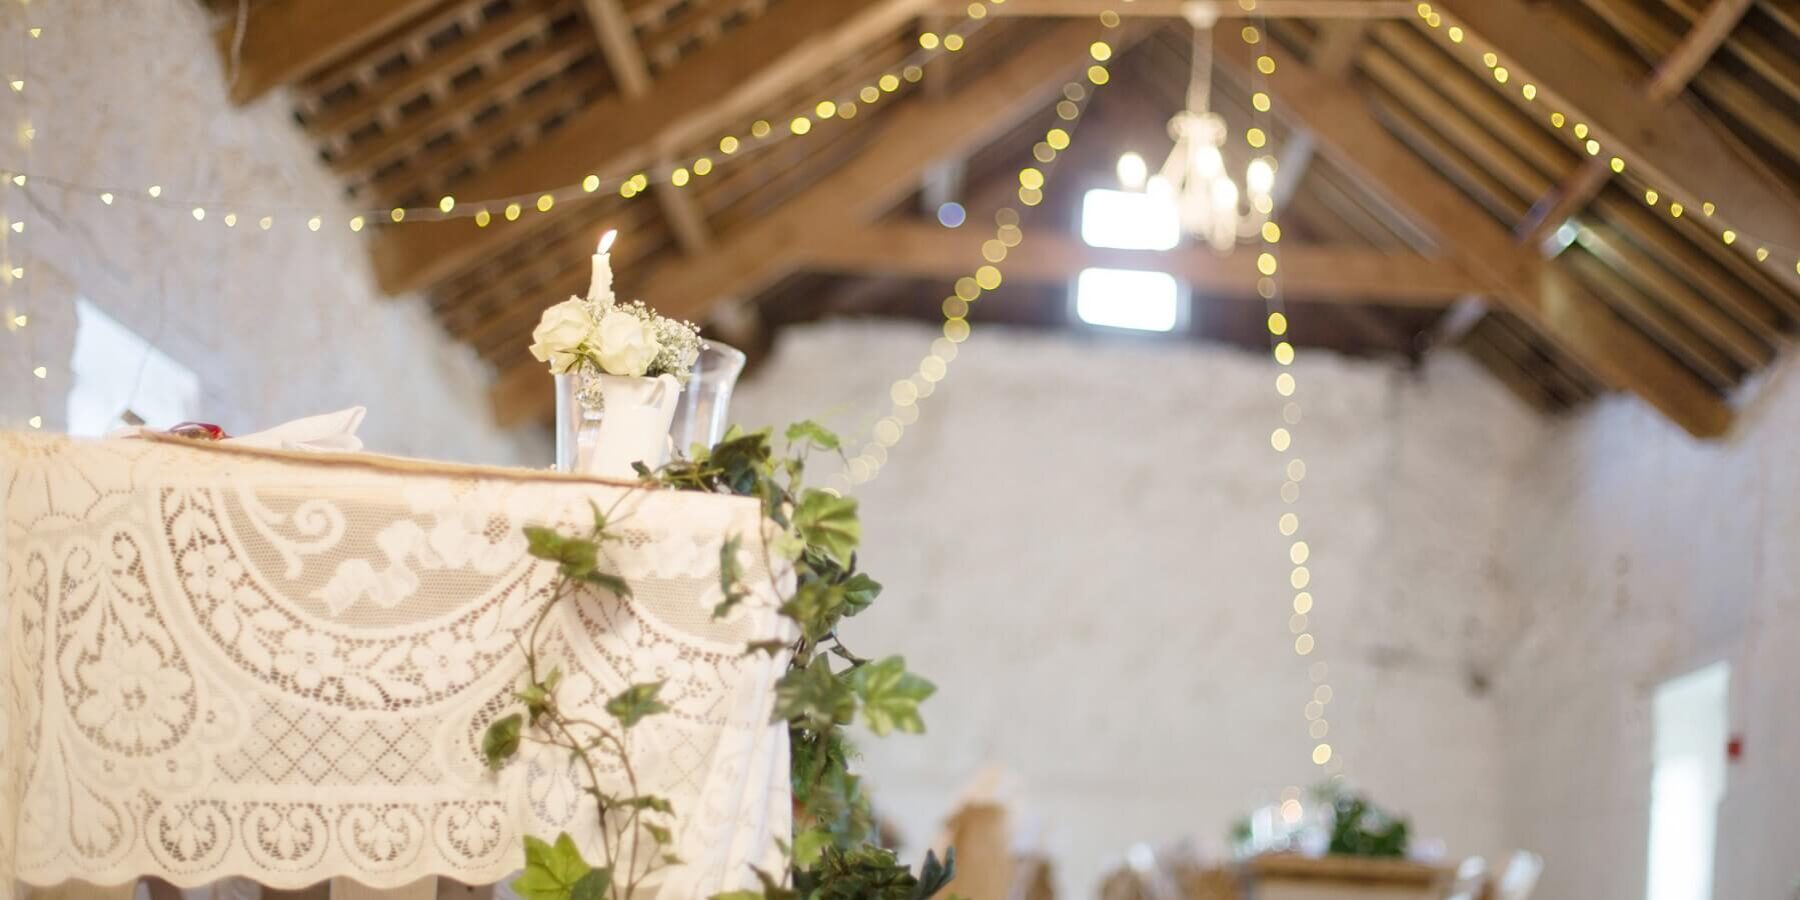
x: 1671, y: 144
x: 1555, y: 303
x: 1312, y: 273
x: 286, y: 40
x: 1666, y: 82
x: 706, y: 92
x: 903, y: 144
x: 1175, y: 9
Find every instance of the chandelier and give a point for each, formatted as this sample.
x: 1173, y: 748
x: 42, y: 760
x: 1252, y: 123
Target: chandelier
x: 1206, y: 199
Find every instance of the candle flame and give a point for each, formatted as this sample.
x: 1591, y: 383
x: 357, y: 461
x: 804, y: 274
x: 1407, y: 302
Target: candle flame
x: 607, y: 239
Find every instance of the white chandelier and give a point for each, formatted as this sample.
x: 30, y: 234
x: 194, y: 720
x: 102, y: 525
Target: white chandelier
x: 1206, y: 199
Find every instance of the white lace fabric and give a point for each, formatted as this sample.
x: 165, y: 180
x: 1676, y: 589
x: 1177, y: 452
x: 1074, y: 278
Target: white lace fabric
x: 224, y: 662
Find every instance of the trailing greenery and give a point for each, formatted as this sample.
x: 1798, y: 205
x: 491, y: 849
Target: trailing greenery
x: 1360, y: 828
x: 825, y: 689
x: 827, y: 685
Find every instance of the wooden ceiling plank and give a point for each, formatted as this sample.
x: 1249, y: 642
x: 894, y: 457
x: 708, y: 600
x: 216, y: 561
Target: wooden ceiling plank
x: 1753, y: 308
x: 1751, y: 47
x: 287, y: 40
x: 903, y: 143
x: 1706, y: 318
x: 1513, y: 375
x: 1175, y: 9
x: 481, y: 46
x: 1350, y: 275
x: 756, y: 61
x: 1666, y: 82
x: 455, y: 111
x: 1574, y: 320
x: 1653, y: 319
x: 1671, y: 143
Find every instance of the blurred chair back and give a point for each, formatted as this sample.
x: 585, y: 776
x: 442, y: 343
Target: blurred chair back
x: 1520, y: 877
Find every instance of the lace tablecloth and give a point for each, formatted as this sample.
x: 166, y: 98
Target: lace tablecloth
x: 221, y: 662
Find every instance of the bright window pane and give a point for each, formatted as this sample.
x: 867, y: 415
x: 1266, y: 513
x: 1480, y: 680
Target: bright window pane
x: 1129, y: 220
x: 1691, y: 722
x: 1128, y: 298
x: 117, y: 371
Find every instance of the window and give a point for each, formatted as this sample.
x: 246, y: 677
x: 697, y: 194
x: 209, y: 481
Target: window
x: 1691, y: 725
x: 1135, y: 299
x: 121, y: 380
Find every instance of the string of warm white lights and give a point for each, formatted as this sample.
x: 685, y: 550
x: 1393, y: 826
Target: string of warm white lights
x: 906, y: 393
x: 1284, y: 438
x: 1588, y: 139
x: 13, y: 230
x: 757, y: 136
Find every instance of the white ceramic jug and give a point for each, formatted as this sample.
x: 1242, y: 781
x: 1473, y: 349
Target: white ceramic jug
x: 634, y: 426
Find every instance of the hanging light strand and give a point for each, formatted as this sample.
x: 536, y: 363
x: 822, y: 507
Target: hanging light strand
x: 906, y: 394
x: 1284, y: 441
x: 754, y: 138
x: 1468, y: 44
x: 15, y: 233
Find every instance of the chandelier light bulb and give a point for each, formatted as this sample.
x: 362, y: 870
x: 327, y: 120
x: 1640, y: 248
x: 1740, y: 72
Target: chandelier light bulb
x: 1260, y: 177
x: 1225, y: 196
x: 1133, y: 171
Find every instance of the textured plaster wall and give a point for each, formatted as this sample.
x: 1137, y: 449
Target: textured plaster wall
x: 1078, y: 539
x: 1637, y: 555
x: 278, y: 324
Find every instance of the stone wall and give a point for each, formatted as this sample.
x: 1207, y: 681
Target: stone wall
x: 1079, y: 544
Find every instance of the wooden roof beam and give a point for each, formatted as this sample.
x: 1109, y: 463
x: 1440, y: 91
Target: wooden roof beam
x: 755, y: 63
x: 1309, y: 272
x: 1672, y: 144
x: 1553, y: 301
x: 905, y: 142
x: 1174, y: 9
x: 287, y: 40
x: 1669, y: 79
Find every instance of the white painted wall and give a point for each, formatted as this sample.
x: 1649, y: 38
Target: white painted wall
x: 131, y: 94
x: 1078, y: 539
x: 1638, y: 554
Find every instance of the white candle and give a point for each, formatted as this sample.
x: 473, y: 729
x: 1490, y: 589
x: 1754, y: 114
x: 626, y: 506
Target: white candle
x: 600, y: 288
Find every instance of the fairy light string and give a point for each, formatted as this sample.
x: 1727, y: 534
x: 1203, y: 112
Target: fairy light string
x: 15, y: 291
x: 1510, y: 76
x: 905, y: 395
x: 1284, y: 439
x: 759, y: 135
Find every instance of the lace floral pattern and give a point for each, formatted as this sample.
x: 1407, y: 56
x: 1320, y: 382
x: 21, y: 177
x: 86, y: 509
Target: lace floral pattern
x: 216, y: 663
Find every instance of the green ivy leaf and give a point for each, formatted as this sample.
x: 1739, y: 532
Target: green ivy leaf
x: 501, y: 740
x: 660, y: 834
x: 933, y: 875
x: 650, y: 802
x: 599, y: 518
x: 820, y: 436
x: 592, y: 886
x: 859, y: 591
x: 829, y: 523
x: 551, y: 870
x: 769, y: 647
x: 637, y: 702
x: 816, y: 607
x: 808, y: 845
x: 738, y: 895
x: 814, y: 695
x: 890, y: 696
x: 731, y: 574
x: 576, y: 557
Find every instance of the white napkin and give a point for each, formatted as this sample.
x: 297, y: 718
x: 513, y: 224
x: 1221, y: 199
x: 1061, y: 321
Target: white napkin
x: 328, y: 433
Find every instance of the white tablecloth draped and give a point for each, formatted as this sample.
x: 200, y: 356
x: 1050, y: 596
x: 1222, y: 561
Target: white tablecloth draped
x: 231, y: 662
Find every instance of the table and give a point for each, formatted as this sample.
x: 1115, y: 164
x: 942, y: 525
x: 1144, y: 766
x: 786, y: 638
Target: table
x: 1288, y: 876
x: 217, y: 661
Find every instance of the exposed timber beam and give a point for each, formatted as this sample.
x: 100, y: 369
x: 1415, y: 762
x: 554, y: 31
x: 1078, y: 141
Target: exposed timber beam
x: 1309, y: 272
x: 1175, y: 9
x: 626, y: 60
x: 1672, y: 145
x: 1668, y: 80
x: 757, y: 62
x: 284, y: 41
x: 905, y: 142
x: 1543, y: 294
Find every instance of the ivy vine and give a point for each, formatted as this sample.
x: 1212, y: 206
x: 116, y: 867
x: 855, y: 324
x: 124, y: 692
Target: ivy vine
x: 832, y: 854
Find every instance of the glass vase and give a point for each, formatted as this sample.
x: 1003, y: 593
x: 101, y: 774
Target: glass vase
x: 577, y: 424
x: 705, y: 407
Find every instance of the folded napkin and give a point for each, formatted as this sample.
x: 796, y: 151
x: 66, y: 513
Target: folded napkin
x: 328, y: 433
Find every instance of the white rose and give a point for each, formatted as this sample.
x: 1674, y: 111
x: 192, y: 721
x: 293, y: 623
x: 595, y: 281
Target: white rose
x: 625, y: 344
x: 560, y: 333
